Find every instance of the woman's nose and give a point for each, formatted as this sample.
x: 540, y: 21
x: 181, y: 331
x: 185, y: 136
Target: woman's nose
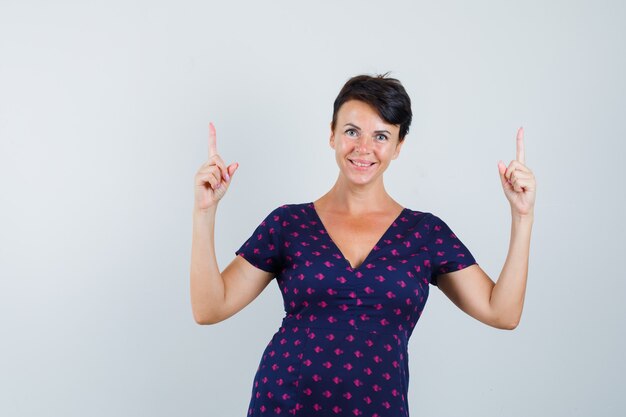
x: 364, y: 144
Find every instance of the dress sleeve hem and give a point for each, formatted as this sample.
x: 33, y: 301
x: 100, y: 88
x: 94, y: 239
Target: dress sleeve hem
x: 266, y: 268
x: 434, y: 278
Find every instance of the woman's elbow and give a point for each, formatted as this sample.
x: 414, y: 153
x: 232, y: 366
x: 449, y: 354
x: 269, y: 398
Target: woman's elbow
x: 502, y: 322
x: 507, y: 324
x: 510, y: 326
x: 205, y: 317
x: 203, y: 320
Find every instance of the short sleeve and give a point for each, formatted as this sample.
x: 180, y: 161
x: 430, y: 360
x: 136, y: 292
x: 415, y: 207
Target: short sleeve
x: 447, y: 252
x: 263, y: 248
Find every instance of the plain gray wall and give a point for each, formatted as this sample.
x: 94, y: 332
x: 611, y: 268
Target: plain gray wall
x: 104, y: 109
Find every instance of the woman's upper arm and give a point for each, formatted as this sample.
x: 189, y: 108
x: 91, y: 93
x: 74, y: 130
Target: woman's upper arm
x: 243, y: 282
x: 470, y: 289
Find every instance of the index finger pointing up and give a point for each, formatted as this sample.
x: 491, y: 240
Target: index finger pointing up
x: 212, y: 140
x: 520, y: 145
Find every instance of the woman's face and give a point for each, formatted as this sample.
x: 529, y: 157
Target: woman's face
x: 364, y: 143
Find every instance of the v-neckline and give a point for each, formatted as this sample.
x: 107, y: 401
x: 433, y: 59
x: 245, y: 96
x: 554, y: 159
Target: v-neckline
x: 369, y: 254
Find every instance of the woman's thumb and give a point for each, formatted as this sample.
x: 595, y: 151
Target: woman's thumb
x: 501, y: 171
x: 232, y: 168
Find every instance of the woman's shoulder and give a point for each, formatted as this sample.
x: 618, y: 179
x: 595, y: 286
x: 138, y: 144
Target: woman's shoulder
x: 429, y: 221
x: 293, y: 207
x: 296, y: 206
x: 417, y: 213
x: 425, y: 221
x: 291, y: 210
x: 286, y: 216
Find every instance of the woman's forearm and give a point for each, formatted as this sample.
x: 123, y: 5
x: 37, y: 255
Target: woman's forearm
x: 507, y: 296
x: 207, y: 285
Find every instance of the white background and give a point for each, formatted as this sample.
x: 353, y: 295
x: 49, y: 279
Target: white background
x: 104, y: 109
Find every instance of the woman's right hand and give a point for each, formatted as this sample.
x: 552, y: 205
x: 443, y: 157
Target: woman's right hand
x: 213, y: 177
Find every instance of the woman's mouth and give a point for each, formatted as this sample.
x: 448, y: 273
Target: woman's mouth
x: 361, y: 165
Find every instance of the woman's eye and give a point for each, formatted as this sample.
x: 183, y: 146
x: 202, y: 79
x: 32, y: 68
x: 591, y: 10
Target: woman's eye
x: 381, y: 137
x: 351, y: 132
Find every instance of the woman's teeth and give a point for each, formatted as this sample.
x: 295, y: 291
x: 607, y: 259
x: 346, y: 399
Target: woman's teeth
x: 360, y: 164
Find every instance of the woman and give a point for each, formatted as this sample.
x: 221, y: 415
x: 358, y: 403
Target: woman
x: 353, y: 268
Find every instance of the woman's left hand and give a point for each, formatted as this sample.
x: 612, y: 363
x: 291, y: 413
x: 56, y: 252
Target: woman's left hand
x: 518, y: 181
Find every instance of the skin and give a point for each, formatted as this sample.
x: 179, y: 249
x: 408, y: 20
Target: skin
x: 356, y: 212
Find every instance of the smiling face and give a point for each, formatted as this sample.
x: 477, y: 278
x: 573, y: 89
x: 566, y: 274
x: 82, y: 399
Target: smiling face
x: 364, y: 143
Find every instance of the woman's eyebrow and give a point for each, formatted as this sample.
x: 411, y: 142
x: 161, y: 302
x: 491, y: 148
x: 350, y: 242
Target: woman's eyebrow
x: 358, y: 128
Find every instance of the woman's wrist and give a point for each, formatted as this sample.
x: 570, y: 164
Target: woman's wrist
x: 204, y: 212
x: 523, y: 218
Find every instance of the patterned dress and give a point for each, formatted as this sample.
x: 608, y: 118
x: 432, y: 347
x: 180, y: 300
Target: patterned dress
x: 341, y: 349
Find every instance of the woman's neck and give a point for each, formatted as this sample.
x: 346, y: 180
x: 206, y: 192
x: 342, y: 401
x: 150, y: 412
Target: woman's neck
x: 356, y: 200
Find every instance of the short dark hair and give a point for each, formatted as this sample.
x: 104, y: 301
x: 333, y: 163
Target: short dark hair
x: 386, y: 95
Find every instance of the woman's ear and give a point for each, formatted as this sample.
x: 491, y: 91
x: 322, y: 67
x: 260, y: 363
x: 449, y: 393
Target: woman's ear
x: 332, y: 136
x: 396, y: 153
